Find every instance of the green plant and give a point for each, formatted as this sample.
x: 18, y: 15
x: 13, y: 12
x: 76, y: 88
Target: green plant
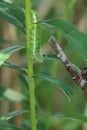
x: 22, y: 19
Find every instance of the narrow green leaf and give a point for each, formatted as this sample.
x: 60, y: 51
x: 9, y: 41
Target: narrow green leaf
x: 10, y: 94
x: 6, y: 53
x: 69, y: 7
x: 76, y: 39
x: 64, y: 87
x: 13, y: 66
x: 73, y: 116
x: 13, y: 14
x: 77, y: 69
x: 13, y: 95
x: 24, y: 79
x: 50, y: 57
x: 3, y: 57
x: 8, y: 125
x: 13, y: 114
x: 12, y: 49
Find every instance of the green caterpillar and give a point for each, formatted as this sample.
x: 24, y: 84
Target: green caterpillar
x: 35, y: 37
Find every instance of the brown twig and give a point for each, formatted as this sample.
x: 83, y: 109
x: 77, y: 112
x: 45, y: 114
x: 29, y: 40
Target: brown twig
x: 60, y: 54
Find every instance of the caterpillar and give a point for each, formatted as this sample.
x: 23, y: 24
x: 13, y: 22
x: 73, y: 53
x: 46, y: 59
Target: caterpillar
x: 35, y: 37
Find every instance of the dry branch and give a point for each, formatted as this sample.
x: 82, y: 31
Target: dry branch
x: 79, y: 80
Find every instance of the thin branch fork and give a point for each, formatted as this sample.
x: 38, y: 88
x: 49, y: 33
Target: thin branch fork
x: 79, y: 80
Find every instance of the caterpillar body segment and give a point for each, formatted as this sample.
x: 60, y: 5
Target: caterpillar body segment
x: 36, y: 37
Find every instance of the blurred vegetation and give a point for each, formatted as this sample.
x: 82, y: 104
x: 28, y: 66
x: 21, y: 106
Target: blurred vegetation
x: 49, y: 99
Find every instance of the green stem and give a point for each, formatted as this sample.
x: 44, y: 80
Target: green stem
x: 30, y: 65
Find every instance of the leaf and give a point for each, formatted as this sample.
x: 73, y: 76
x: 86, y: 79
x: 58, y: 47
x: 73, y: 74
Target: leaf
x: 13, y: 14
x: 50, y: 57
x: 12, y: 49
x: 3, y: 57
x: 6, y: 53
x: 8, y: 125
x: 12, y: 114
x: 73, y: 116
x: 13, y: 95
x: 64, y: 87
x: 76, y: 39
x: 24, y: 79
x: 77, y: 69
x: 69, y: 7
x: 13, y: 66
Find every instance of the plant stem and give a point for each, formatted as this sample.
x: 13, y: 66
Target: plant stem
x: 30, y: 65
